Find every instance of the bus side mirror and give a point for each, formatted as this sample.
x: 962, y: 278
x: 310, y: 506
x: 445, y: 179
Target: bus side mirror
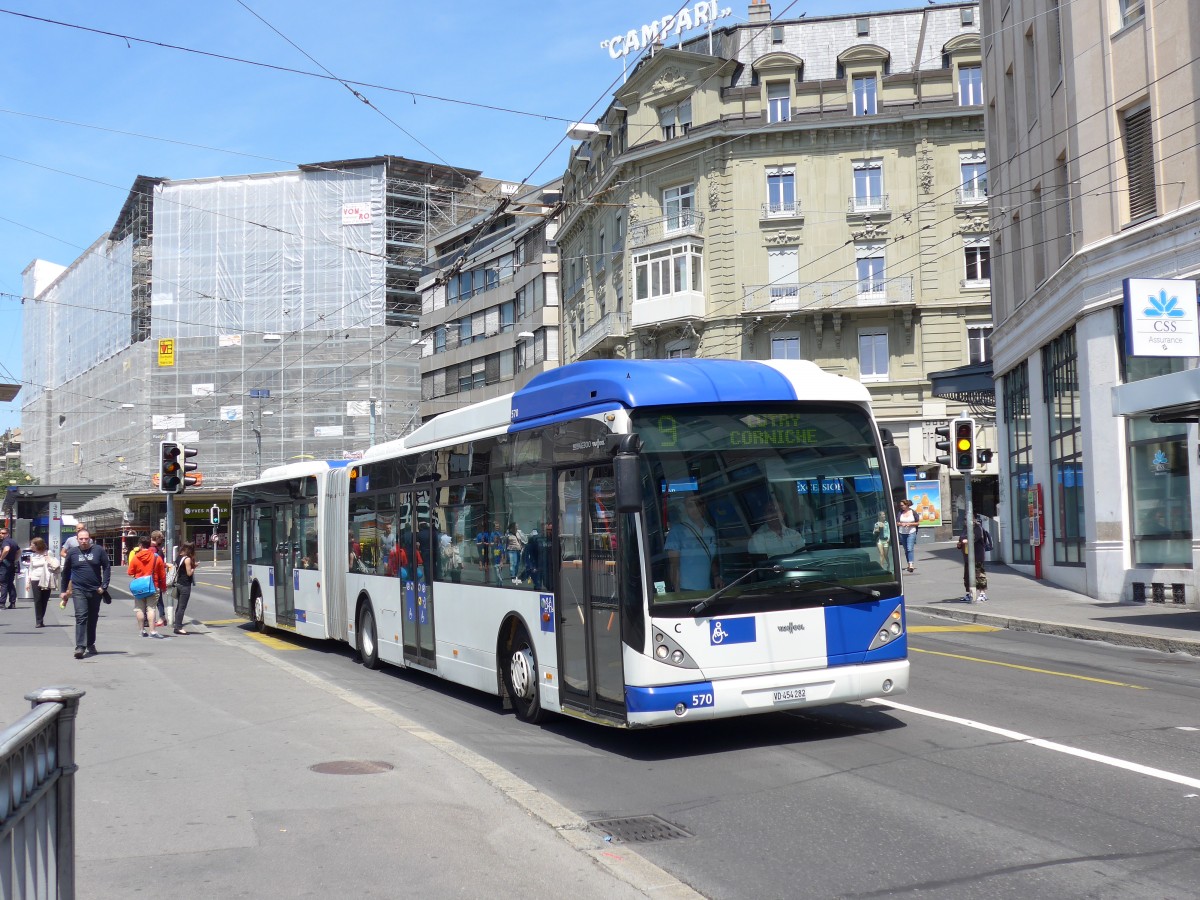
x: 892, y: 462
x: 627, y: 471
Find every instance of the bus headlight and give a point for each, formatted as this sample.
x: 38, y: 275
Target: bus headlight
x: 669, y: 652
x: 661, y: 651
x: 893, y: 627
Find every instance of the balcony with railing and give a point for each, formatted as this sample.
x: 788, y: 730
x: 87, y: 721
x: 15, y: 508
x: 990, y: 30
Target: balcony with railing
x: 685, y: 223
x: 611, y: 328
x: 862, y: 204
x: 789, y: 209
x: 970, y: 195
x: 820, y: 296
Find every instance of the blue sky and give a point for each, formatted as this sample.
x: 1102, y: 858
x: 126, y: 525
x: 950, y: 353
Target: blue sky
x: 62, y: 185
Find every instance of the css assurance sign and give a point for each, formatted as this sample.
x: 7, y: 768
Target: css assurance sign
x: 1161, y: 317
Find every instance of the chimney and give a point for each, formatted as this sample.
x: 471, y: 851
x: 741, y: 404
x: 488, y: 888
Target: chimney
x: 760, y: 12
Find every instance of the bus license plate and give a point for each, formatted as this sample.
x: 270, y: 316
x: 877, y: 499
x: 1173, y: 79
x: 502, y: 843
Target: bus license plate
x: 789, y: 694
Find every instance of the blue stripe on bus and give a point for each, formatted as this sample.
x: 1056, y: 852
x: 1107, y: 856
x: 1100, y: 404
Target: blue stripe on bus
x: 647, y: 382
x: 659, y: 699
x: 849, y: 631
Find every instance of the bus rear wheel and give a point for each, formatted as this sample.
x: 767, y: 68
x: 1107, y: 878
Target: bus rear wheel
x: 260, y: 618
x: 368, y: 637
x: 521, y: 677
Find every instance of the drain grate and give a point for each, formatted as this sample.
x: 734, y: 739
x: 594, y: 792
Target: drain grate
x: 638, y: 829
x: 351, y: 767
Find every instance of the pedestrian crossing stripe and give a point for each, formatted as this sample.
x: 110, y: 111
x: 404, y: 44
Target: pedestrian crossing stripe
x: 946, y: 629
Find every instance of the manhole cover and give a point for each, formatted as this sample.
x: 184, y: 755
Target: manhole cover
x: 638, y: 829
x: 352, y: 767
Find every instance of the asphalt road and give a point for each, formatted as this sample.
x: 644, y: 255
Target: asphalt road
x: 1020, y: 765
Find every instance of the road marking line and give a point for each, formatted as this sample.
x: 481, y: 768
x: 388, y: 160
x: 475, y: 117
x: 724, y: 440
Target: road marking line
x: 210, y: 584
x: 942, y: 629
x: 1113, y: 761
x: 225, y: 622
x: 273, y: 642
x: 992, y: 662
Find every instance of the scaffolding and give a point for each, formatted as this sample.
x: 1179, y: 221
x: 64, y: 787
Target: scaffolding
x: 290, y: 300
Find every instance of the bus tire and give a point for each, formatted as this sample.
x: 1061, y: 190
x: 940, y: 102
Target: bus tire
x: 521, y: 676
x: 257, y: 612
x: 368, y: 637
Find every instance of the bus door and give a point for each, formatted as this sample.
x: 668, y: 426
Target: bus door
x: 419, y: 543
x: 285, y: 561
x: 589, y: 617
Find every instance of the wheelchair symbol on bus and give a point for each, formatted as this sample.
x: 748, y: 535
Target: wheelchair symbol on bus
x: 718, y: 632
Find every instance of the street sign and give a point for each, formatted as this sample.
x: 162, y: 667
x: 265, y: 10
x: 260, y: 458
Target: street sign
x: 166, y: 352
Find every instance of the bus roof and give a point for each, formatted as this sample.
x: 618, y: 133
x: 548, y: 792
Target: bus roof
x: 297, y: 470
x: 598, y: 385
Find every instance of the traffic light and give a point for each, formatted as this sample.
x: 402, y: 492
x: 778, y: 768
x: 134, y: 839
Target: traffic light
x: 173, y: 467
x: 170, y: 467
x: 964, y: 445
x: 943, y: 431
x: 188, y: 480
x: 983, y: 457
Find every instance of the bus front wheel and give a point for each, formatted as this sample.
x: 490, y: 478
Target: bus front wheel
x: 260, y: 618
x: 368, y: 638
x: 521, y: 677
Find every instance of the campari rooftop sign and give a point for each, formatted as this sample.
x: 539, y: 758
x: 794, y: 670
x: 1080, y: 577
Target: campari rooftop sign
x: 706, y: 13
x: 1161, y: 317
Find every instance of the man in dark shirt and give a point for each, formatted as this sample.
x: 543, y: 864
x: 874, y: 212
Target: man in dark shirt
x: 10, y: 561
x: 85, y: 580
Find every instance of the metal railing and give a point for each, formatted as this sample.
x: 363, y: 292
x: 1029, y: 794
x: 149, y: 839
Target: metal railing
x: 867, y: 203
x: 781, y: 209
x: 613, y: 324
x: 37, y: 801
x: 682, y: 223
x: 968, y: 195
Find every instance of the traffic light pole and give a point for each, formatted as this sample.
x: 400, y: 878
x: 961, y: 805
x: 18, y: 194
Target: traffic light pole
x: 169, y: 547
x: 967, y: 484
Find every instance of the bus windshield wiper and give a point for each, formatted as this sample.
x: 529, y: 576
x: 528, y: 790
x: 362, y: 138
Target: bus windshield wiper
x: 712, y: 598
x: 803, y: 582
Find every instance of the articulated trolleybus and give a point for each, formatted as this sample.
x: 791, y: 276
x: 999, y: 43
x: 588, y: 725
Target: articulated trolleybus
x: 630, y: 542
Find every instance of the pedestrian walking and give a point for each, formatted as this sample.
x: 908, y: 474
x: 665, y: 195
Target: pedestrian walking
x: 72, y: 542
x: 907, y: 522
x: 982, y: 542
x: 185, y: 577
x: 158, y: 542
x: 147, y: 563
x: 85, y: 578
x: 10, y: 561
x: 43, y: 577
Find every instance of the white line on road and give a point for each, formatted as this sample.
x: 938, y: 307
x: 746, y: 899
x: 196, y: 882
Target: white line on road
x: 1047, y: 745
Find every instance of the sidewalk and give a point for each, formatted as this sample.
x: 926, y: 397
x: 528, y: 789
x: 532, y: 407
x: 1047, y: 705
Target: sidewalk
x: 202, y: 773
x: 1024, y: 604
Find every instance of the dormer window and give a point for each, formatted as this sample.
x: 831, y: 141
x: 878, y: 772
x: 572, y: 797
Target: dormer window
x: 865, y: 100
x: 675, y: 119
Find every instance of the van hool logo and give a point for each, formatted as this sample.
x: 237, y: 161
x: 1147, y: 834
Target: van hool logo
x: 790, y: 627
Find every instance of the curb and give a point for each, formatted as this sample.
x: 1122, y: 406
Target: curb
x: 1061, y: 629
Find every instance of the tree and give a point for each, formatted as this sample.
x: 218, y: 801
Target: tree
x: 15, y: 475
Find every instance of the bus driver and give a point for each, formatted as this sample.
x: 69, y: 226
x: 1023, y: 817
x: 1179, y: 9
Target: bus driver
x: 691, y: 547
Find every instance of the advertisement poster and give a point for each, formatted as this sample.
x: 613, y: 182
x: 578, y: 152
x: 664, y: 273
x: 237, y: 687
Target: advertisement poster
x: 926, y: 497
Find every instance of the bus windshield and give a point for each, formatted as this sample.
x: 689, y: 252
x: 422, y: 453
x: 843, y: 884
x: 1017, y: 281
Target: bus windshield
x: 782, y: 505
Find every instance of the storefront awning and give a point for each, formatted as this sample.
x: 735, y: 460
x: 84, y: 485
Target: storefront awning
x: 971, y: 384
x: 1164, y: 398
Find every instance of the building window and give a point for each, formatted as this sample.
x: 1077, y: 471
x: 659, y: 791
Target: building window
x: 781, y: 191
x: 869, y: 266
x: 779, y: 101
x: 978, y: 263
x: 873, y: 355
x: 970, y: 85
x: 782, y: 272
x: 671, y: 270
x: 973, y: 167
x: 1056, y: 48
x: 679, y: 205
x: 1139, y: 164
x: 979, y: 340
x: 968, y: 16
x: 675, y: 119
x: 864, y: 95
x: 1132, y: 10
x: 868, y: 185
x: 601, y: 252
x: 863, y: 27
x: 1060, y: 367
x: 785, y: 347
x: 507, y: 315
x: 776, y: 34
x: 1031, y: 79
x: 1020, y: 459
